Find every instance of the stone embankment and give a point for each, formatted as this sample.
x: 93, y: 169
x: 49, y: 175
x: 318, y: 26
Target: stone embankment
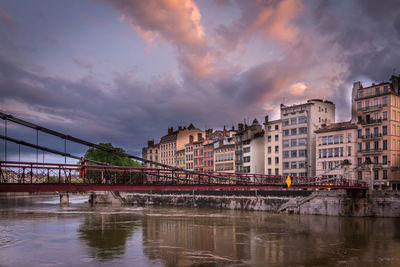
x: 334, y: 203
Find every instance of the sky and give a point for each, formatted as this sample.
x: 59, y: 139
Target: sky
x: 124, y: 71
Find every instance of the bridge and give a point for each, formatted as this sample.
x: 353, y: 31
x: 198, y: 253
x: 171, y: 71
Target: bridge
x: 17, y: 176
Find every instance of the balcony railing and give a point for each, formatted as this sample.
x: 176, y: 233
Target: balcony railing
x: 371, y: 151
x: 369, y: 108
x: 371, y: 136
x: 370, y: 121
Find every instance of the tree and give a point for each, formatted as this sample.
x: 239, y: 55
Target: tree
x: 113, y: 159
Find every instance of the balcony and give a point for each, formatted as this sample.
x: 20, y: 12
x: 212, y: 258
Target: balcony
x: 238, y: 152
x: 370, y: 151
x: 370, y: 121
x: 371, y: 108
x: 238, y: 162
x: 371, y: 136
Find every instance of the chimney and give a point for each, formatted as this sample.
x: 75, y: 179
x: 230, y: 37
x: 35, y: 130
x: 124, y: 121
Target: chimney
x: 395, y: 83
x: 266, y: 119
x: 240, y: 127
x: 150, y: 143
x: 233, y: 127
x: 170, y: 130
x: 224, y: 130
x: 179, y: 128
x: 190, y: 138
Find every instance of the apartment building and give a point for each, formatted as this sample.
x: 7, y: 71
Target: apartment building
x: 238, y: 138
x: 299, y: 123
x: 224, y: 158
x: 208, y: 152
x: 189, y: 156
x: 273, y: 146
x: 198, y: 154
x: 336, y: 144
x: 151, y: 152
x: 180, y: 158
x: 168, y: 147
x: 376, y: 110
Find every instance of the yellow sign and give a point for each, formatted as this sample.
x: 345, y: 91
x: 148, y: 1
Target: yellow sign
x: 288, y: 181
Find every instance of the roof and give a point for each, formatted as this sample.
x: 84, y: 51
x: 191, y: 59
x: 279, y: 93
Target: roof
x: 339, y: 126
x: 169, y: 137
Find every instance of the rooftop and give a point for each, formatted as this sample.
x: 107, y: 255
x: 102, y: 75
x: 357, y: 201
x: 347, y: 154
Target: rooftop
x: 339, y: 126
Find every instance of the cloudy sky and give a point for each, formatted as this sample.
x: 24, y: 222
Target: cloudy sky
x: 123, y: 71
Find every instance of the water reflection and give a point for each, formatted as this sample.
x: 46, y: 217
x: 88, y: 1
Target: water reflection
x: 232, y: 237
x: 105, y: 235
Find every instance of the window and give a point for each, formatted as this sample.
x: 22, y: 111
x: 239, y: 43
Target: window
x: 269, y: 161
x: 376, y: 131
x: 285, y: 132
x: 359, y: 175
x: 367, y: 146
x: 366, y: 103
x: 269, y: 138
x: 276, y: 149
x: 384, y: 160
x: 324, y: 140
x: 377, y: 90
x: 302, y: 119
x: 285, y: 143
x: 349, y: 151
x: 384, y: 130
x: 269, y: 171
x: 376, y: 145
x: 376, y: 102
x: 276, y: 137
x: 293, y: 142
x: 286, y: 165
x: 359, y: 133
x: 330, y: 140
x: 384, y: 145
x: 385, y: 89
x: 376, y: 160
x: 336, y: 152
x: 276, y: 127
x: 302, y: 130
x: 319, y: 153
x: 324, y: 155
x: 302, y: 164
x: 336, y: 139
x: 302, y: 152
x: 293, y: 121
x: 341, y: 139
x: 269, y: 127
x: 302, y: 141
x: 384, y: 100
x: 293, y: 131
x: 285, y: 154
x: 361, y: 93
x: 293, y: 153
x: 269, y: 149
x: 276, y: 159
x: 359, y: 161
x: 285, y: 122
x: 359, y: 147
x: 384, y: 174
x: 359, y: 105
x: 367, y: 132
x: 293, y: 165
x: 376, y: 175
x: 276, y: 171
x: 330, y: 152
x: 385, y: 115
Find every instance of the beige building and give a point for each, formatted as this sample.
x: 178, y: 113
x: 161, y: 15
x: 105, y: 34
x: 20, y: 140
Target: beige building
x: 185, y: 133
x: 336, y: 143
x: 224, y: 158
x: 180, y: 159
x: 151, y: 152
x: 376, y: 110
x: 273, y: 147
x: 168, y: 148
x: 299, y: 122
x: 189, y: 155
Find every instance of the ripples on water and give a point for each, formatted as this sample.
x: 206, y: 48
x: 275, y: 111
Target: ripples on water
x: 37, y: 231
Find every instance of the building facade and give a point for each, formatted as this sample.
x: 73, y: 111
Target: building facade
x: 336, y: 145
x: 299, y: 123
x: 273, y: 147
x: 198, y: 155
x: 224, y: 158
x: 208, y: 153
x: 180, y: 159
x: 151, y: 152
x: 189, y: 156
x: 376, y: 110
x: 168, y: 148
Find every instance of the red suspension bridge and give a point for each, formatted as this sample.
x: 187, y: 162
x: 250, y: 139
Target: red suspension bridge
x: 18, y: 176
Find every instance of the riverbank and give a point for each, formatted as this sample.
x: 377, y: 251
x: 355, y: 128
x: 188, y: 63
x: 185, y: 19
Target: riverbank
x: 332, y: 203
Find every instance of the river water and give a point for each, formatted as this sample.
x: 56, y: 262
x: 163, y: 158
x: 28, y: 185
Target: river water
x: 37, y: 231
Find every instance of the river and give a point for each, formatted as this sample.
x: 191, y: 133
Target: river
x: 37, y: 231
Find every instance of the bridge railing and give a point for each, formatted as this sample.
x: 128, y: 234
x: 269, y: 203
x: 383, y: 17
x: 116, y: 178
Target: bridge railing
x: 29, y: 172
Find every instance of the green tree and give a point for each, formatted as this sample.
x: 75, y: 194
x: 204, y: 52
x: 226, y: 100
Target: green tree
x: 112, y: 159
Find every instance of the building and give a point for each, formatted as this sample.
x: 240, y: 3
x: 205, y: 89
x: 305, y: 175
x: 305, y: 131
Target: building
x: 180, y: 159
x: 299, y: 123
x: 189, y: 154
x: 336, y: 144
x: 224, y: 158
x: 184, y: 134
x: 238, y: 139
x: 151, y: 152
x: 198, y: 154
x: 273, y: 146
x: 250, y: 158
x: 376, y: 110
x: 208, y: 153
x: 257, y: 149
x: 168, y: 147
